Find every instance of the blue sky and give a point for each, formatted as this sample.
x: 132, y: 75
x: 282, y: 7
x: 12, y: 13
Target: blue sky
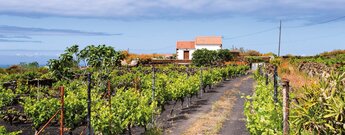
x: 38, y: 30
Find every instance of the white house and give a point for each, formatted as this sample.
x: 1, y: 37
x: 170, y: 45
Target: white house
x: 185, y: 49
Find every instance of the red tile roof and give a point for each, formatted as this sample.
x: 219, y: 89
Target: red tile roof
x: 208, y: 40
x: 185, y: 45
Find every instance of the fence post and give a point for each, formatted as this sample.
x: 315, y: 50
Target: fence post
x: 201, y: 82
x: 275, y: 84
x: 266, y: 79
x: 153, y: 88
x: 89, y: 104
x: 285, y: 106
x: 38, y: 89
x: 109, y: 94
x: 62, y: 94
x: 153, y: 82
x: 188, y: 96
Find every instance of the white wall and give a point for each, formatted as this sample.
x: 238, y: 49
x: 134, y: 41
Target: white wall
x: 208, y: 47
x: 255, y: 66
x: 179, y: 53
x: 191, y: 54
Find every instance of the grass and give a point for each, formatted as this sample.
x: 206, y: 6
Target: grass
x: 297, y: 79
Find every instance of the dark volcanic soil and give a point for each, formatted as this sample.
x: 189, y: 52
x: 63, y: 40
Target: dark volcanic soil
x: 236, y: 124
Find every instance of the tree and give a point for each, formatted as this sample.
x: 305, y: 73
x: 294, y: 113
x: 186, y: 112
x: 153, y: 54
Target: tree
x: 99, y: 57
x: 63, y: 67
x: 204, y: 57
x: 224, y: 55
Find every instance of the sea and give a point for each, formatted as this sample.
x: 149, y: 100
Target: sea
x: 4, y: 66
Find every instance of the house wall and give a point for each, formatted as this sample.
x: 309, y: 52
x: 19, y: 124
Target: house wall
x: 209, y: 47
x: 255, y: 66
x: 179, y: 53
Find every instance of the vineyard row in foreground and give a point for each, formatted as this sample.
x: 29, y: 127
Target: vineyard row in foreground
x: 137, y: 96
x: 318, y: 108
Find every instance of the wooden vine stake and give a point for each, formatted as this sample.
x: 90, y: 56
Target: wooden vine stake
x: 286, y: 107
x: 275, y: 84
x: 266, y: 79
x: 88, y: 119
x: 109, y: 96
x: 153, y: 88
x: 201, y: 90
x: 62, y: 92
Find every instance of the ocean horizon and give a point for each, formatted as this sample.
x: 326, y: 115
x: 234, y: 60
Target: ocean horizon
x: 4, y: 66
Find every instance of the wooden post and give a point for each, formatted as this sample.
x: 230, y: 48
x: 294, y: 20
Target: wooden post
x: 62, y: 92
x: 188, y: 96
x: 109, y: 96
x: 153, y: 88
x: 88, y: 119
x: 38, y: 89
x: 201, y: 82
x: 266, y: 79
x: 275, y: 84
x: 153, y: 82
x: 285, y: 107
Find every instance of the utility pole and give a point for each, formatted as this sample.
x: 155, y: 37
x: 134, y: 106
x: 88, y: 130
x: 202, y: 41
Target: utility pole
x: 280, y: 35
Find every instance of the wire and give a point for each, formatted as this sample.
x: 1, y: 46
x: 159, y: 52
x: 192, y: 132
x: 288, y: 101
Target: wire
x: 313, y: 24
x: 251, y: 34
x: 166, y: 47
x: 313, y: 38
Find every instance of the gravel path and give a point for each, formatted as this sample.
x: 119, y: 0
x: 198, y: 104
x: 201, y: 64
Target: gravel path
x: 236, y: 124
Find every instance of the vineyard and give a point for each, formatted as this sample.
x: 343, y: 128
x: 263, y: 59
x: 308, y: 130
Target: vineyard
x: 292, y: 95
x: 317, y: 100
x: 109, y: 100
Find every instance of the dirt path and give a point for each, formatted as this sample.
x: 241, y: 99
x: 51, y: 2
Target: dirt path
x: 236, y: 124
x: 200, y: 114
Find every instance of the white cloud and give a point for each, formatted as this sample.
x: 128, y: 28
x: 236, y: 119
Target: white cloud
x: 165, y: 8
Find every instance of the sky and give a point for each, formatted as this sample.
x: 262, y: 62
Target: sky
x: 37, y: 30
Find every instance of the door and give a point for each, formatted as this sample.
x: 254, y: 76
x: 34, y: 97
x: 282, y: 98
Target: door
x: 186, y: 55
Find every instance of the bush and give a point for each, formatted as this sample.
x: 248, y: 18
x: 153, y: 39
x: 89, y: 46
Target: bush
x: 204, y: 57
